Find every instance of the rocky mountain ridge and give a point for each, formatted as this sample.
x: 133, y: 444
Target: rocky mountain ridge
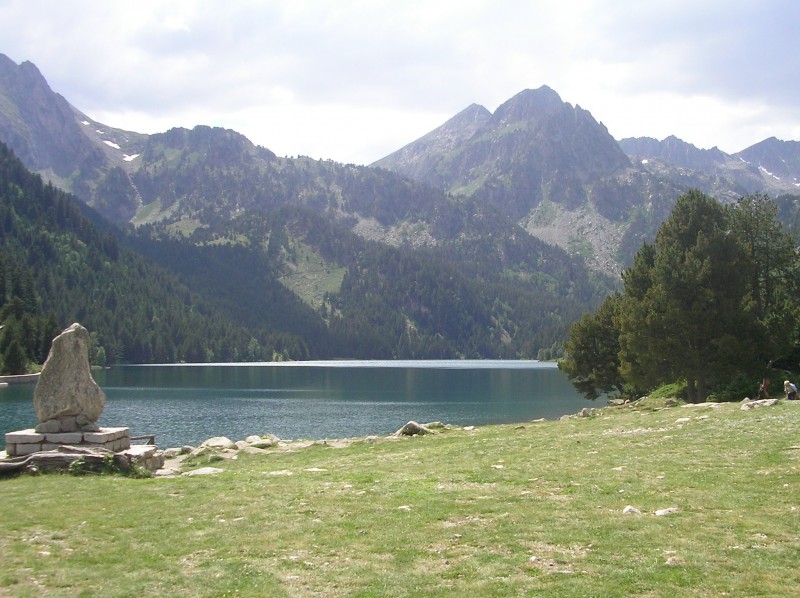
x: 536, y: 161
x: 562, y: 176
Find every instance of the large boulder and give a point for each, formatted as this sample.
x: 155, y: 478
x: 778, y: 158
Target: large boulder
x: 66, y: 394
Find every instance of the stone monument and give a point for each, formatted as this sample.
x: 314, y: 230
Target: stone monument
x: 68, y: 403
x: 67, y: 399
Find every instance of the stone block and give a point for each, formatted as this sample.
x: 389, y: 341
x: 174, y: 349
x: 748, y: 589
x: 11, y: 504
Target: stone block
x: 120, y: 444
x: 120, y: 432
x: 65, y: 438
x: 26, y: 449
x: 49, y: 446
x: 24, y: 436
x: 51, y: 425
x: 105, y: 435
x: 145, y: 455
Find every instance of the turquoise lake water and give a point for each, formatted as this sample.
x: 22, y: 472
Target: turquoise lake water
x: 186, y: 404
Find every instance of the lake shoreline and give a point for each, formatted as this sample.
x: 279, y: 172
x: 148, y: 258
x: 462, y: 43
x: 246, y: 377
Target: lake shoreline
x: 19, y: 379
x: 184, y: 405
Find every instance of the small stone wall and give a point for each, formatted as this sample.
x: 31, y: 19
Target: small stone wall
x: 26, y: 442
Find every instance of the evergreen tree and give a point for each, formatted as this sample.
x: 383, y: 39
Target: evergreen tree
x: 695, y: 307
x: 711, y: 299
x: 14, y: 359
x: 592, y: 351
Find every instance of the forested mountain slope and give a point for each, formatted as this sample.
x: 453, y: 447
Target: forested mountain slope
x: 61, y: 267
x: 229, y: 302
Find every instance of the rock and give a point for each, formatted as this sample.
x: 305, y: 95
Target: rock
x: 167, y: 472
x: 673, y: 561
x: 203, y: 471
x: 218, y: 442
x: 66, y: 391
x: 262, y: 443
x: 412, y: 428
x: 756, y: 404
x: 51, y: 426
x: 665, y: 512
x: 252, y: 439
x: 171, y: 453
x: 631, y: 510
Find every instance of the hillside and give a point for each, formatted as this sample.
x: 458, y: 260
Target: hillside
x: 297, y: 286
x: 75, y: 267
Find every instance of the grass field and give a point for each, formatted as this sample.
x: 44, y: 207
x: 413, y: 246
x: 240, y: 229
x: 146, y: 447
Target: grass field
x: 536, y: 509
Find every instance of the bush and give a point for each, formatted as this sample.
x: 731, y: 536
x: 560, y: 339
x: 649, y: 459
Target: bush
x: 676, y: 390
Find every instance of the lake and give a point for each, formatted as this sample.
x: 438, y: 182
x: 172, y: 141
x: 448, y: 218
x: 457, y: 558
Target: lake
x: 186, y: 404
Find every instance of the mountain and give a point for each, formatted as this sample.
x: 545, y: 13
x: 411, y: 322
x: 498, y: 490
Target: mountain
x: 56, y: 140
x: 416, y: 160
x: 778, y: 160
x: 771, y: 166
x: 674, y: 151
x: 533, y: 148
x: 61, y: 263
x: 560, y: 174
x: 320, y: 259
x: 472, y: 241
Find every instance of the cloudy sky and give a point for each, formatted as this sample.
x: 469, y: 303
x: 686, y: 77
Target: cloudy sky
x: 354, y: 80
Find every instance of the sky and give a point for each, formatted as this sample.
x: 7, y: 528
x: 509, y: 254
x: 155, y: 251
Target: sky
x: 354, y: 80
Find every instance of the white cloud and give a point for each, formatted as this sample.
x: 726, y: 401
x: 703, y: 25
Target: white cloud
x: 353, y: 80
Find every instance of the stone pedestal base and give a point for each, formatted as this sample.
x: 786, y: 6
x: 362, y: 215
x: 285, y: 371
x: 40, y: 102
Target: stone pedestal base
x: 26, y: 442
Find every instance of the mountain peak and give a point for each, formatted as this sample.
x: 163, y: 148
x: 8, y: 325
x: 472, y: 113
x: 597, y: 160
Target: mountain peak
x: 443, y: 139
x: 778, y: 159
x: 529, y: 104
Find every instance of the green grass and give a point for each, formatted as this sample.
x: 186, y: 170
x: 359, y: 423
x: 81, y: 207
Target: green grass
x: 517, y: 510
